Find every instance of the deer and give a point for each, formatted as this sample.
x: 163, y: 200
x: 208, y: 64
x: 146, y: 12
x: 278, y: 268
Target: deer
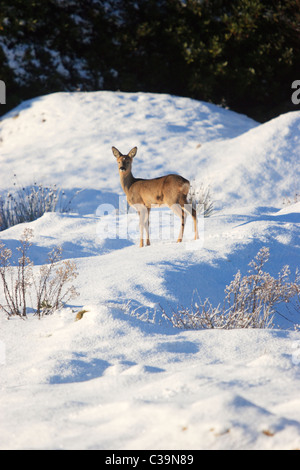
x: 143, y: 194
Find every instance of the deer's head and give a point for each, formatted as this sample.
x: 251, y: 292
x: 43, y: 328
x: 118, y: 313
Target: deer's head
x: 124, y: 161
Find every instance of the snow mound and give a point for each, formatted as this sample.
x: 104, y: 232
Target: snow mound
x: 66, y: 139
x: 122, y: 377
x: 259, y: 167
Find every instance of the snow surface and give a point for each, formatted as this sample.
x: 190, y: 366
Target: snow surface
x: 122, y: 377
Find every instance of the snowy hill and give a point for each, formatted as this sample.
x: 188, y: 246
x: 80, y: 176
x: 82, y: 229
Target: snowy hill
x: 72, y: 134
x: 123, y: 377
x: 66, y: 139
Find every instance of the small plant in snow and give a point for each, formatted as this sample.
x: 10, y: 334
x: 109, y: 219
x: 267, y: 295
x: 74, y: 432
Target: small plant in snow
x: 250, y: 300
x: 200, y: 198
x: 26, y: 204
x: 287, y: 201
x: 139, y: 312
x: 42, y: 291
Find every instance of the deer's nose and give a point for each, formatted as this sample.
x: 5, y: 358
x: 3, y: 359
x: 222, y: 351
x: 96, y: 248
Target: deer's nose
x: 122, y: 168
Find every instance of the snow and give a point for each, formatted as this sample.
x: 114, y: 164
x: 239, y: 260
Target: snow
x: 122, y: 377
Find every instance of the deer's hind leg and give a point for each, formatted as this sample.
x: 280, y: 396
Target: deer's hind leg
x: 192, y: 211
x: 179, y: 211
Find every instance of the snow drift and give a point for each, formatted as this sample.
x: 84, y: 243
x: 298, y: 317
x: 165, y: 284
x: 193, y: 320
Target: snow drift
x: 122, y: 377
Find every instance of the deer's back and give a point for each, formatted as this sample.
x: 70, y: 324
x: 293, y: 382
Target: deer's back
x: 165, y: 190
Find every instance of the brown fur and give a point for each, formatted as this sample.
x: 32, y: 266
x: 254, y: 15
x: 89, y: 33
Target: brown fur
x: 170, y: 190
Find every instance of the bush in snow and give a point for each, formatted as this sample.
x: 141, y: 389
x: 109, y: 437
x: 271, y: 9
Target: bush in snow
x: 43, y: 291
x: 287, y: 201
x: 30, y: 203
x: 249, y: 302
x: 200, y: 198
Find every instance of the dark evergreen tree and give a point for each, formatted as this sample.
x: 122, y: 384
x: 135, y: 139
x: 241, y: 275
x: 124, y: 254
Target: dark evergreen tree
x: 244, y: 54
x: 53, y: 45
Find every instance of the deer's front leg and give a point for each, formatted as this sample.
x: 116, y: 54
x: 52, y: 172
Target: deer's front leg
x: 147, y: 223
x: 144, y: 224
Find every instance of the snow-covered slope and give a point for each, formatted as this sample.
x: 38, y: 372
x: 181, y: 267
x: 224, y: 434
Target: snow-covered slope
x: 259, y: 167
x: 66, y: 138
x: 123, y: 377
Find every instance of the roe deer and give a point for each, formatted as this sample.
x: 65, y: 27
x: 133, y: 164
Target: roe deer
x: 142, y: 194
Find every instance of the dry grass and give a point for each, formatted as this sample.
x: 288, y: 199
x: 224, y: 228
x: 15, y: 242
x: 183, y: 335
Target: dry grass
x: 41, y: 291
x: 250, y: 301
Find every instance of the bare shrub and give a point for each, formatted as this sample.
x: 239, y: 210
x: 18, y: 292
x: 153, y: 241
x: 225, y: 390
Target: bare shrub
x: 288, y: 201
x: 200, y: 198
x: 250, y: 300
x: 42, y: 291
x: 26, y: 204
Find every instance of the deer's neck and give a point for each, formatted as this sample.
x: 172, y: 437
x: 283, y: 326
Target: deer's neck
x: 126, y: 181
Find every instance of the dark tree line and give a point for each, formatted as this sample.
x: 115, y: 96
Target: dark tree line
x: 244, y: 54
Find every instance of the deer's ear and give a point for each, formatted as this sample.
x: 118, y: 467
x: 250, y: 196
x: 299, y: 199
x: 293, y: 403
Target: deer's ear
x: 116, y: 152
x: 132, y: 152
